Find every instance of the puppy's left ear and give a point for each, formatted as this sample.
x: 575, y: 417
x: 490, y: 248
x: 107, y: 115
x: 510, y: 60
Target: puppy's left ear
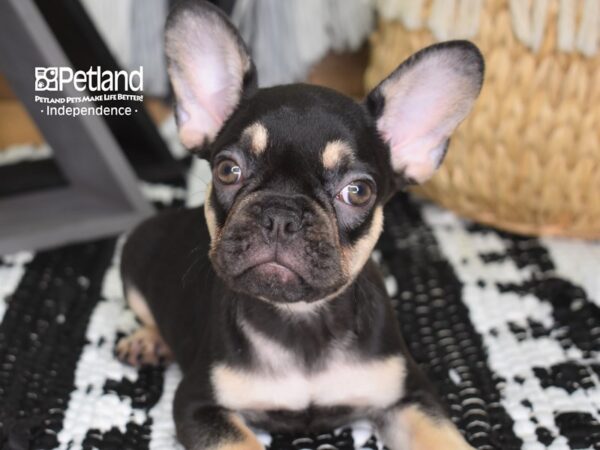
x: 421, y: 103
x: 209, y: 67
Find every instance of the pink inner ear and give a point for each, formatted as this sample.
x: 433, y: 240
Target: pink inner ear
x: 424, y: 103
x: 207, y: 69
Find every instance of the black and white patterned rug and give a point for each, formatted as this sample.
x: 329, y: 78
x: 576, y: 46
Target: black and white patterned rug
x: 507, y: 327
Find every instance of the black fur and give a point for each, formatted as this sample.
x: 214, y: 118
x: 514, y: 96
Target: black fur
x: 166, y: 258
x: 201, y: 293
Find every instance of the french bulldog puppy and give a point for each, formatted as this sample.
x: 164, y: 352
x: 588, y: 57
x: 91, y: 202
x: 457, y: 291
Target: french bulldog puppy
x: 269, y: 300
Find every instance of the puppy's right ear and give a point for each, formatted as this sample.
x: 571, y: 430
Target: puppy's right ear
x: 210, y: 70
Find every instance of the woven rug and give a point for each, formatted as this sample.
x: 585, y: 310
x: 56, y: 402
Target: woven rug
x: 507, y: 327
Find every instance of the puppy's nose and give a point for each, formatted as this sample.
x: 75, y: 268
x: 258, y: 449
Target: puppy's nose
x: 280, y: 224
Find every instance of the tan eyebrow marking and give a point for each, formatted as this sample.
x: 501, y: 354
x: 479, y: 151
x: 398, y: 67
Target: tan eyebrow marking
x: 258, y: 136
x: 334, y: 152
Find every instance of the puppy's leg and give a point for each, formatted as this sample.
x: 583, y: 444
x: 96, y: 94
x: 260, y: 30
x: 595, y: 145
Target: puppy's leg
x: 411, y: 428
x: 145, y: 345
x: 202, y: 425
x: 214, y: 428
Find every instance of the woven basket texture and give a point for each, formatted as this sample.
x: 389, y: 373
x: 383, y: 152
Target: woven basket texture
x: 527, y: 159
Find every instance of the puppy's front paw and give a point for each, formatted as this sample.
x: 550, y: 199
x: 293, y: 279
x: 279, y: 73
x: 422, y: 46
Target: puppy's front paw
x: 245, y: 445
x: 144, y: 346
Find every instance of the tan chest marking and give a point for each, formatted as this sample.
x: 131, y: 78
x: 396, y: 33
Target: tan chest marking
x: 282, y: 383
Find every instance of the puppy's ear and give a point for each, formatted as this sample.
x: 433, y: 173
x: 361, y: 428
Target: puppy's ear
x: 421, y: 103
x: 210, y: 70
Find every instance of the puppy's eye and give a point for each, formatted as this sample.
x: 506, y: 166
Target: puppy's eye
x: 357, y: 193
x: 228, y: 172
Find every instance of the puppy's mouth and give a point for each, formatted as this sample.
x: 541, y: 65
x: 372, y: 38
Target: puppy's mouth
x: 272, y: 266
x: 276, y: 271
x: 272, y: 275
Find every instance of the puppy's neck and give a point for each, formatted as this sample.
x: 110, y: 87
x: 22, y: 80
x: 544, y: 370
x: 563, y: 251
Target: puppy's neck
x: 308, y: 329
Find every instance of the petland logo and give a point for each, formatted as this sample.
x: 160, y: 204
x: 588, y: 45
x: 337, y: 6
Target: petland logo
x: 54, y: 79
x: 93, y: 87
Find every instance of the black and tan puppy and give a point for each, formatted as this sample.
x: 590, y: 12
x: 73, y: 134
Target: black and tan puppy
x: 269, y: 300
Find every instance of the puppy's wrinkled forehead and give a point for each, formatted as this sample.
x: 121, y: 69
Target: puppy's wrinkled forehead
x: 312, y: 130
x: 334, y: 153
x: 295, y: 150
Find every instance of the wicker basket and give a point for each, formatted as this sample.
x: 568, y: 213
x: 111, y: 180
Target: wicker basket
x: 528, y: 157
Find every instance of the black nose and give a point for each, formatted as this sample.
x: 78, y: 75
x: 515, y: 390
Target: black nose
x: 280, y: 224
